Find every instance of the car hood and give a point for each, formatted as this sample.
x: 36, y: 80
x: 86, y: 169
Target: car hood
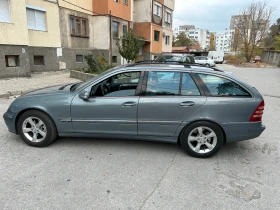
x: 58, y: 89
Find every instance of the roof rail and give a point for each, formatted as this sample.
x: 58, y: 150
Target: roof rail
x: 179, y: 63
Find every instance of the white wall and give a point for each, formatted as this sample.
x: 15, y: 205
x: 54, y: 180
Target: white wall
x: 142, y: 11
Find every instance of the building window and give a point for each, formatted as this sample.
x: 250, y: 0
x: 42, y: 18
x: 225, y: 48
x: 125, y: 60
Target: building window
x: 115, y: 29
x: 124, y: 29
x: 157, y: 9
x: 191, y: 32
x: 79, y: 26
x: 115, y: 59
x: 168, y: 17
x: 12, y: 60
x: 167, y: 40
x: 125, y: 1
x: 79, y: 58
x: 39, y: 60
x: 116, y: 1
x: 36, y: 19
x: 156, y: 36
x: 4, y: 11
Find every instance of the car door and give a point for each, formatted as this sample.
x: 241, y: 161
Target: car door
x: 111, y: 107
x: 203, y: 60
x: 167, y: 100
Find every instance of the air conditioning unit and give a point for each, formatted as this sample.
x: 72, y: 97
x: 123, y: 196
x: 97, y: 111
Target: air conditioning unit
x: 163, y: 34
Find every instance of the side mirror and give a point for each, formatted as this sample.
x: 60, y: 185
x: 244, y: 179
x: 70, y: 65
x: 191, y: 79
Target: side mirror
x: 84, y: 95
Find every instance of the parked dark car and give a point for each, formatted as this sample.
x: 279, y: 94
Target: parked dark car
x: 202, y: 108
x: 184, y: 58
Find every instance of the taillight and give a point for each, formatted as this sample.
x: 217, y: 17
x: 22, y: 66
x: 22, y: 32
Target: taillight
x: 257, y: 115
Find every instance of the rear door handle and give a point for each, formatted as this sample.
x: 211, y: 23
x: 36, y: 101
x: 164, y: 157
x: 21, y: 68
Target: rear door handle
x: 129, y: 103
x: 187, y: 104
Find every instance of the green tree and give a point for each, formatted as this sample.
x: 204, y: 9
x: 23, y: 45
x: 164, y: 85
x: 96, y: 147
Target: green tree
x: 277, y: 42
x: 182, y: 40
x: 129, y: 46
x: 270, y: 41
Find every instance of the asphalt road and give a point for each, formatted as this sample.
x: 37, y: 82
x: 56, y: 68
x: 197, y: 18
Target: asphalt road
x: 118, y: 174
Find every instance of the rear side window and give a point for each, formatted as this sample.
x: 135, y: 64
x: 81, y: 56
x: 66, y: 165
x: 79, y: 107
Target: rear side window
x: 168, y: 84
x: 163, y: 83
x: 222, y: 87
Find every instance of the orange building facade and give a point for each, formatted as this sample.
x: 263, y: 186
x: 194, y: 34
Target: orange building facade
x: 153, y: 21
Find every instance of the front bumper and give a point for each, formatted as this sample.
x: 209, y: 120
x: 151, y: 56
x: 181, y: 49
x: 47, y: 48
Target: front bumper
x: 10, y: 122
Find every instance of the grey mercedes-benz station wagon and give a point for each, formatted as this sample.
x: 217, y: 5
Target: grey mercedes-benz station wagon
x: 201, y: 108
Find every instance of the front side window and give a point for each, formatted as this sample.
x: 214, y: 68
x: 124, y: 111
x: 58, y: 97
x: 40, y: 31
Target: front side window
x: 4, y: 11
x: 219, y: 86
x: 79, y: 26
x: 156, y: 36
x: 163, y: 83
x: 36, y: 19
x: 120, y: 85
x: 115, y: 29
x: 189, y: 87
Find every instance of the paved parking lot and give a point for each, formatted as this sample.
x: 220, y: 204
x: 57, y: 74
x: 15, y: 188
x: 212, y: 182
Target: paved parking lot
x: 118, y: 174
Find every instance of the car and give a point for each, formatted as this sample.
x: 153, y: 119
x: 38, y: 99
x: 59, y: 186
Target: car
x: 200, y: 108
x: 203, y: 60
x: 217, y: 56
x: 257, y: 59
x: 171, y: 57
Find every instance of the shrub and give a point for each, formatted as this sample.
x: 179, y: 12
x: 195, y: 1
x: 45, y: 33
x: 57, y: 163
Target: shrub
x: 235, y: 60
x: 97, y: 64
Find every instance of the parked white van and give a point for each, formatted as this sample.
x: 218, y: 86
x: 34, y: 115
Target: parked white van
x: 217, y: 56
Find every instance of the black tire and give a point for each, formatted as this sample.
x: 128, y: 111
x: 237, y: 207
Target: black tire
x: 186, y: 132
x: 51, y: 131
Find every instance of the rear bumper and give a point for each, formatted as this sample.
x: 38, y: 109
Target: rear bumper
x: 242, y: 131
x: 9, y: 120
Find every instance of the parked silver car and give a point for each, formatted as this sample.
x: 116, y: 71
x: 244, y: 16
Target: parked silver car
x: 200, y: 108
x: 203, y: 60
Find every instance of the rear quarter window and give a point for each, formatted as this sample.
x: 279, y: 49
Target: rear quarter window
x: 219, y: 86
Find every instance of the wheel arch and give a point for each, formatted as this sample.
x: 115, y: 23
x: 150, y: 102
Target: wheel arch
x: 202, y: 120
x: 30, y: 109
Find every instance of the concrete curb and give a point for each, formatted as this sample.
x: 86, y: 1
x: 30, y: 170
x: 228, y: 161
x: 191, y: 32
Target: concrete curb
x: 81, y: 75
x: 10, y: 94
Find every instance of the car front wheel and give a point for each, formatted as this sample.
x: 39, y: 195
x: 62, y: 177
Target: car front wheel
x: 36, y: 128
x: 202, y: 139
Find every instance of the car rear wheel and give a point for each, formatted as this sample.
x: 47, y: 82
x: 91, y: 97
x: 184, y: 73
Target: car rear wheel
x: 202, y: 139
x: 36, y: 128
x: 207, y: 65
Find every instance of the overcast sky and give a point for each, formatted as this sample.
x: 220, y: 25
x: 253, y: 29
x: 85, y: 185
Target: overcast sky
x: 213, y: 15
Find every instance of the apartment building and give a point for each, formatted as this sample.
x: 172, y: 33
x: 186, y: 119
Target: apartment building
x: 29, y: 36
x: 223, y: 41
x: 153, y: 21
x: 47, y: 35
x: 202, y: 36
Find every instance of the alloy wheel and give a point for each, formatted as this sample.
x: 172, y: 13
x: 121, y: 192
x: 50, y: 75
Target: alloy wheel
x: 202, y: 140
x: 34, y: 129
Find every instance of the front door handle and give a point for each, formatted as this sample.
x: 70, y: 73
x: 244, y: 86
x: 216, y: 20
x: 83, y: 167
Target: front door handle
x: 129, y: 103
x: 187, y: 104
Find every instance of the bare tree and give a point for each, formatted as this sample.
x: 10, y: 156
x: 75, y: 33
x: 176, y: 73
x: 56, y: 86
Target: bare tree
x: 251, y: 27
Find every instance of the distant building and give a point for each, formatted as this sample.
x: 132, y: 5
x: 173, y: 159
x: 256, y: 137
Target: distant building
x: 223, y: 41
x: 202, y: 36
